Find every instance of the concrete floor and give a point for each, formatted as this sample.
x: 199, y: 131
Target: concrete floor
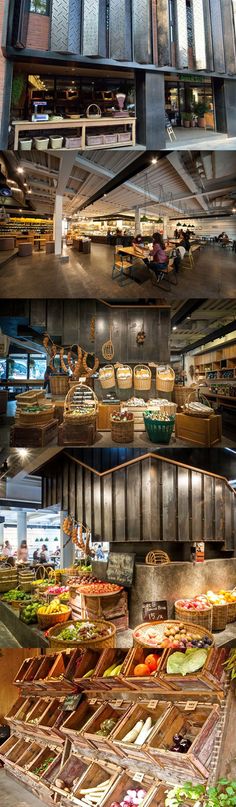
x: 13, y: 792
x: 200, y: 138
x: 45, y: 276
x: 6, y: 638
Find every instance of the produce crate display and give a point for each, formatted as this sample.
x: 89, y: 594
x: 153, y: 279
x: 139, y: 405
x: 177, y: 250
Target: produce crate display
x: 99, y: 729
x: 130, y: 736
x: 74, y: 725
x: 96, y: 782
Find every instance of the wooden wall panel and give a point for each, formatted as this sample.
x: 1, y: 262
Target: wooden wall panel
x: 72, y: 488
x: 55, y: 318
x: 153, y: 484
x: 71, y: 323
x: 97, y: 505
x: 10, y: 662
x: 65, y: 493
x: 44, y: 491
x: 38, y: 313
x: 209, y: 510
x: 134, y: 502
x: 88, y: 497
x: 183, y: 478
x: 119, y: 505
x: 197, y: 506
x: 147, y: 482
x: 169, y: 501
x: 79, y: 489
x: 229, y: 537
x: 107, y: 523
x: 219, y: 509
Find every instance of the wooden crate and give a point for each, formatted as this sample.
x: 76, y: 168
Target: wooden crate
x: 195, y: 720
x: 28, y: 756
x: 104, y: 413
x: 157, y: 710
x: 106, y: 607
x: 199, y: 431
x: 96, y: 774
x: 71, y: 770
x: 77, y: 720
x: 212, y: 676
x: 151, y: 682
x: 34, y: 436
x: 8, y: 746
x: 128, y: 780
x: 86, y: 661
x: 45, y: 753
x: 27, y: 670
x: 104, y: 712
x: 80, y: 435
x: 107, y: 658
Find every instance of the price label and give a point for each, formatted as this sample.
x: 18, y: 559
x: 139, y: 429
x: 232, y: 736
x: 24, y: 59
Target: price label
x: 152, y: 704
x: 138, y: 777
x: 92, y: 701
x: 190, y: 706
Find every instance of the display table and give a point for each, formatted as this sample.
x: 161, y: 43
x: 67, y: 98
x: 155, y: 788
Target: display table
x: 81, y: 245
x: 34, y: 436
x: 83, y: 124
x: 83, y: 435
x: 199, y: 431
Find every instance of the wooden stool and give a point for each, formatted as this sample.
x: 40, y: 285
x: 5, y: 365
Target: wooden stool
x: 50, y: 247
x: 24, y: 250
x: 33, y: 436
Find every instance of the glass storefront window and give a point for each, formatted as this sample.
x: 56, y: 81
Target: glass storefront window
x: 17, y: 366
x: 37, y: 367
x: 40, y: 6
x: 3, y: 369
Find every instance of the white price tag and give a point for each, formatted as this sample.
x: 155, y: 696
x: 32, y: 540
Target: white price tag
x: 152, y: 704
x: 138, y: 777
x: 190, y: 706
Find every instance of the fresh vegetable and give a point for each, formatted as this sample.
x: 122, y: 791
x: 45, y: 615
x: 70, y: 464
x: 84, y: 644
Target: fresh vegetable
x: 188, y: 662
x: 230, y: 665
x: 16, y: 594
x: 223, y: 794
x: 135, y: 796
x: 43, y: 766
x: 83, y: 631
x: 145, y: 731
x: 106, y: 727
x: 181, y: 744
x: 89, y: 673
x: 174, y: 635
x: 133, y: 734
x: 152, y: 661
x: 114, y: 669
x: 99, y: 588
x: 29, y: 613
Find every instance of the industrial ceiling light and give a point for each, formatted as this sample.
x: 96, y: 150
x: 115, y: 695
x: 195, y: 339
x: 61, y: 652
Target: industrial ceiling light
x: 20, y: 170
x: 154, y: 161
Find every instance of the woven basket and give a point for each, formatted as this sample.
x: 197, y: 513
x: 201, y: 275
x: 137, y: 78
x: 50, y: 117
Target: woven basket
x: 170, y: 623
x: 193, y: 398
x: 231, y: 612
x: 48, y: 620
x: 165, y: 378
x: 127, y: 381
x: 140, y: 382
x: 181, y: 394
x: 122, y: 431
x: 202, y: 618
x: 168, y: 407
x: 31, y: 397
x: 94, y: 644
x: 107, y: 376
x: 73, y: 408
x: 220, y: 617
x: 59, y: 384
x: 158, y: 431
x: 156, y: 557
x: 93, y: 114
x: 36, y: 418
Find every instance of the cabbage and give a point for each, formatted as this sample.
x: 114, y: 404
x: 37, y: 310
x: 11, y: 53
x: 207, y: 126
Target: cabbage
x: 181, y: 663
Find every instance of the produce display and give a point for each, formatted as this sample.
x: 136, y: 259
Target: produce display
x: 174, y: 635
x: 157, y: 414
x: 83, y: 631
x: 113, y: 670
x: 200, y: 603
x: 130, y: 798
x: 230, y: 665
x: 16, y: 595
x: 54, y: 607
x: 189, y: 661
x: 58, y: 591
x: 221, y: 598
x: 91, y: 796
x: 43, y: 766
x: 81, y: 411
x: 106, y: 727
x: 29, y: 613
x: 80, y: 579
x: 140, y: 732
x: 124, y: 415
x: 181, y: 744
x: 99, y: 588
x: 149, y: 667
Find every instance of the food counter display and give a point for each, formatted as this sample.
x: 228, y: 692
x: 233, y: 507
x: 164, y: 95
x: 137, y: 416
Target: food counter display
x: 114, y: 747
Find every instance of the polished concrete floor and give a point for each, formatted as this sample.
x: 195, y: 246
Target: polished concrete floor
x: 13, y: 792
x: 6, y: 638
x: 200, y: 138
x: 46, y: 276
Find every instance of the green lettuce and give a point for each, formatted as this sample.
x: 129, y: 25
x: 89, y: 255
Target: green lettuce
x: 184, y: 663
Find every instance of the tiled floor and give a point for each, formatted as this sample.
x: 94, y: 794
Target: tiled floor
x: 45, y: 276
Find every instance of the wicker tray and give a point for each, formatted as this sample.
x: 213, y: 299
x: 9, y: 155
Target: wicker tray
x: 35, y: 418
x: 170, y: 623
x: 163, y: 383
x: 203, y: 618
x: 48, y: 620
x: 95, y: 644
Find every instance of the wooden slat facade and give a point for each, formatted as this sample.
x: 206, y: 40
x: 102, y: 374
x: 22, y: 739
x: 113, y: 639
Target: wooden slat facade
x: 150, y: 500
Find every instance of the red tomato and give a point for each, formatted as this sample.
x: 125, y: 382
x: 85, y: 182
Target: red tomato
x: 142, y: 669
x: 152, y: 660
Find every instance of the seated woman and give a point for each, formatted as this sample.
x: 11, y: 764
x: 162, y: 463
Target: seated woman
x: 160, y: 258
x: 138, y: 241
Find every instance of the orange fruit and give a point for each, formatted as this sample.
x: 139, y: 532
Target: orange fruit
x: 141, y: 670
x: 152, y: 661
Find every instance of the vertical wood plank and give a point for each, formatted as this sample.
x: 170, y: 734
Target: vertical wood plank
x: 134, y: 502
x: 209, y: 512
x: 229, y: 539
x: 119, y: 505
x: 88, y: 497
x: 169, y: 501
x: 197, y: 507
x: 55, y: 317
x: 79, y: 493
x: 183, y: 504
x: 97, y: 505
x: 107, y: 519
x: 156, y: 501
x: 219, y: 510
x: 72, y: 489
x: 65, y: 486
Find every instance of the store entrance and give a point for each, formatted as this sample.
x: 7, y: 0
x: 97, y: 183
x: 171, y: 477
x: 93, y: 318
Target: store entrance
x: 190, y: 103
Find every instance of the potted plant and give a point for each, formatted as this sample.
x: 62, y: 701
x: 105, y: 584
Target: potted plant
x: 223, y: 794
x: 200, y: 110
x: 187, y: 118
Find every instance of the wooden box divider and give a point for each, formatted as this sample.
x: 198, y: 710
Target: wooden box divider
x: 9, y: 744
x: 14, y: 753
x: 157, y: 710
x: 45, y: 752
x: 73, y: 658
x: 52, y: 771
x: 29, y: 755
x: 128, y: 780
x: 27, y: 670
x: 12, y: 714
x: 50, y: 716
x: 211, y: 676
x: 197, y: 721
x: 77, y: 721
x: 71, y: 772
x: 137, y: 656
x: 86, y: 662
x: 98, y: 773
x: 105, y: 712
x: 106, y: 659
x: 44, y: 669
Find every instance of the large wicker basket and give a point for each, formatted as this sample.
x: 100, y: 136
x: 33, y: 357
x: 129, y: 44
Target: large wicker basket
x: 142, y: 377
x: 40, y: 418
x: 165, y: 378
x: 158, y: 431
x: 32, y: 396
x: 59, y: 384
x: 203, y: 618
x: 80, y: 405
x: 170, y: 623
x: 181, y: 394
x: 124, y: 377
x: 122, y: 431
x: 95, y: 644
x: 198, y: 400
x: 48, y: 620
x: 220, y: 617
x: 107, y: 376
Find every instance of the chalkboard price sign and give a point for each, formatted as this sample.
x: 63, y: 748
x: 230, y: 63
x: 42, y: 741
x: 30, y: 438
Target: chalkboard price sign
x: 120, y: 568
x: 71, y: 702
x: 155, y: 611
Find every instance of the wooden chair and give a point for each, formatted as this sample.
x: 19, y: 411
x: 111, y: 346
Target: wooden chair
x: 120, y: 264
x: 169, y: 275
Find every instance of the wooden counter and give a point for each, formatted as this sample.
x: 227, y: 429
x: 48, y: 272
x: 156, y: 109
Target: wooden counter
x: 84, y: 124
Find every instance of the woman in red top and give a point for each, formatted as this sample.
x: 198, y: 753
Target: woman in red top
x: 158, y: 254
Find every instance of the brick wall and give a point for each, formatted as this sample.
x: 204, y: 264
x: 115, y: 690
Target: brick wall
x: 38, y: 31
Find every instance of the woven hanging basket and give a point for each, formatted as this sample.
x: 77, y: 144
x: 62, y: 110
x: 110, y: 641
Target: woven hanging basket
x: 142, y: 377
x: 93, y: 111
x: 165, y: 378
x: 124, y: 377
x: 107, y: 376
